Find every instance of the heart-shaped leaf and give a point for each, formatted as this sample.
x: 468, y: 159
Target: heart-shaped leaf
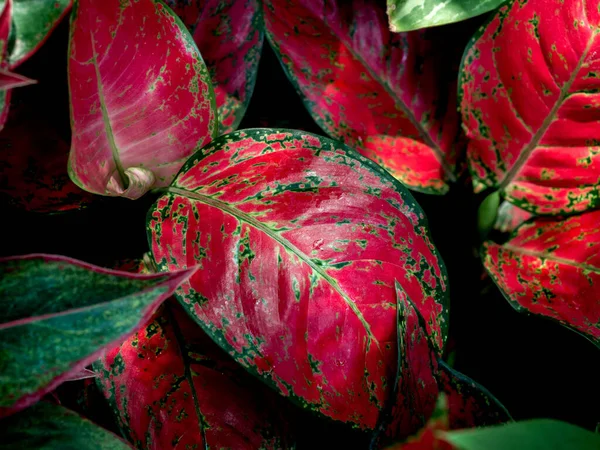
x: 141, y: 98
x: 391, y: 96
x: 552, y: 268
x: 57, y: 314
x: 51, y: 426
x: 230, y: 36
x: 422, y: 376
x: 299, y: 240
x: 33, y: 22
x: 407, y: 15
x: 541, y: 434
x: 530, y: 89
x: 171, y: 386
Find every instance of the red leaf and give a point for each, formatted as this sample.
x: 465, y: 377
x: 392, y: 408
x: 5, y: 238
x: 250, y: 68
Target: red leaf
x: 391, y: 96
x: 141, y: 99
x: 171, y: 386
x: 9, y: 80
x: 422, y: 376
x: 530, y: 86
x: 5, y: 15
x: 299, y: 241
x: 230, y: 36
x: 551, y: 268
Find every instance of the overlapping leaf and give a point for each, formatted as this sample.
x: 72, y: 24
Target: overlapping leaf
x: 171, y: 386
x: 230, y: 36
x: 33, y: 22
x: 53, y: 427
x: 530, y: 92
x: 510, y: 217
x: 391, y: 96
x: 552, y: 268
x: 407, y: 15
x: 423, y: 376
x: 141, y: 98
x: 299, y: 241
x: 58, y: 313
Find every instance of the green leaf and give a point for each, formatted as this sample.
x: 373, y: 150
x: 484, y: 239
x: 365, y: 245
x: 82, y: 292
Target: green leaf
x: 541, y: 434
x: 57, y: 314
x: 47, y: 426
x: 407, y: 15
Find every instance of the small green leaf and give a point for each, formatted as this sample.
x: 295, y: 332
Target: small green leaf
x: 541, y: 434
x: 57, y: 314
x: 47, y: 426
x: 408, y: 15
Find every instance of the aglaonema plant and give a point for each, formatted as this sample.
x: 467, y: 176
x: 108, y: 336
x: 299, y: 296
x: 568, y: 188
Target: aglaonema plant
x: 291, y: 275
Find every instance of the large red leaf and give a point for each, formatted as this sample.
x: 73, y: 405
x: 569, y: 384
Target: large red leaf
x: 170, y: 386
x: 423, y: 376
x: 551, y: 268
x: 391, y: 96
x: 299, y: 240
x: 141, y: 98
x: 230, y: 35
x: 530, y: 91
x: 57, y: 314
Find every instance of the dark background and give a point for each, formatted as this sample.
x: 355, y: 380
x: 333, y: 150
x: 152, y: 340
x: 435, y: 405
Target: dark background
x: 535, y: 367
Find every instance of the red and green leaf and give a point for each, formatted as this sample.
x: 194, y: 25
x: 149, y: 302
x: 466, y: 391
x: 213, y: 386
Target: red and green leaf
x: 510, y: 217
x: 141, y: 97
x: 299, y: 240
x: 230, y: 36
x: 530, y: 92
x: 57, y: 314
x: 422, y: 377
x: 49, y: 426
x: 5, y: 14
x: 552, y: 268
x: 391, y: 96
x: 171, y: 386
x: 33, y: 22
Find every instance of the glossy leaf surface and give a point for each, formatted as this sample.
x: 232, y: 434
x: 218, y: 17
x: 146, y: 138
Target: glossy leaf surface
x: 541, y: 434
x: 230, y: 36
x: 170, y: 386
x: 49, y: 426
x: 390, y: 96
x: 552, y: 268
x: 58, y: 313
x: 530, y: 90
x: 299, y: 240
x: 140, y: 104
x: 34, y: 20
x: 423, y: 376
x: 407, y: 15
x: 510, y: 217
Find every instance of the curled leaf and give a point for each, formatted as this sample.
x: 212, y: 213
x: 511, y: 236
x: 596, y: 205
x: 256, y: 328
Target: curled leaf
x: 551, y: 268
x: 299, y: 240
x: 140, y: 104
x: 57, y: 314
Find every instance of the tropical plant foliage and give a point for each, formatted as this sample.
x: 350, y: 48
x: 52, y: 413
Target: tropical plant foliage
x: 289, y: 281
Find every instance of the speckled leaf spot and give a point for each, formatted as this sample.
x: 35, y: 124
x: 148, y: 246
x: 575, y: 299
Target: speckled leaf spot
x: 230, y: 36
x: 530, y: 105
x: 170, y: 386
x: 57, y: 314
x: 299, y: 240
x: 34, y: 21
x: 422, y: 377
x: 49, y: 426
x: 510, y: 217
x: 390, y: 96
x: 408, y: 15
x: 141, y: 97
x: 552, y: 268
